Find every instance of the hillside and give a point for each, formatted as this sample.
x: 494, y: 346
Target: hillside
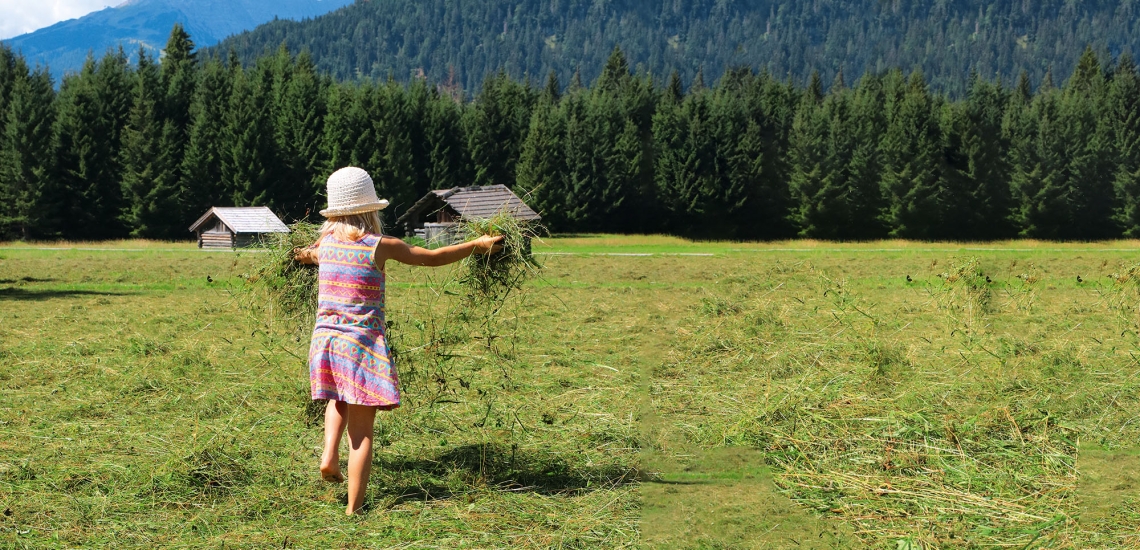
x: 468, y: 40
x: 64, y: 46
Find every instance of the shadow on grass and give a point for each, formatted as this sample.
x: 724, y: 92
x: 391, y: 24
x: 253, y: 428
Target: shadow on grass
x: 25, y: 280
x: 502, y: 467
x: 29, y: 295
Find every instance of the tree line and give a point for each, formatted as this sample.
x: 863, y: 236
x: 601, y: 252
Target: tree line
x: 462, y: 42
x: 143, y: 149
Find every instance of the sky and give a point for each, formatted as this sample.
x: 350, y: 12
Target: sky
x: 22, y: 16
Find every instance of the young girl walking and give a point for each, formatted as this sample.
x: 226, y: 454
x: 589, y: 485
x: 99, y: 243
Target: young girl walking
x: 349, y: 360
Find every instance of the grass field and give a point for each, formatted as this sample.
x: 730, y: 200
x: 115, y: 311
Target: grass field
x: 649, y: 392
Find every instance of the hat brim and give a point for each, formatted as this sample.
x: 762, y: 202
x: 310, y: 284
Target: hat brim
x: 355, y: 209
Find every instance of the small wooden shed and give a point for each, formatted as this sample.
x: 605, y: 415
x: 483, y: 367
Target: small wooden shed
x: 434, y: 217
x: 236, y: 227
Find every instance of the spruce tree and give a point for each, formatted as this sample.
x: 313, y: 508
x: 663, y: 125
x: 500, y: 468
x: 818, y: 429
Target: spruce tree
x: 248, y: 141
x: 542, y: 165
x: 93, y: 108
x: 496, y: 127
x: 391, y: 163
x: 984, y: 150
x: 449, y: 163
x: 822, y: 144
x: 31, y: 199
x: 686, y: 157
x: 1089, y: 154
x: 1037, y: 155
x: 202, y: 175
x: 1124, y: 112
x: 299, y: 126
x: 806, y: 155
x: 864, y: 169
x: 179, y: 78
x: 915, y: 199
x: 150, y: 184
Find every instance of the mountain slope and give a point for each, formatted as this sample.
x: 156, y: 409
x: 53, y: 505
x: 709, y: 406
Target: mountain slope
x: 470, y: 39
x: 64, y: 46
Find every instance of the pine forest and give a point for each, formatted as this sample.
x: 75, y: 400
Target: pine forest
x: 142, y: 149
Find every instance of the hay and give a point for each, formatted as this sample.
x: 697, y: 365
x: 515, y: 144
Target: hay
x: 490, y: 278
x: 487, y: 279
x: 289, y: 286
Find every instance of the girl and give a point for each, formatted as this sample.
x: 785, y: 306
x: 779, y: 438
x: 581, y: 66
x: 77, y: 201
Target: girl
x: 349, y: 360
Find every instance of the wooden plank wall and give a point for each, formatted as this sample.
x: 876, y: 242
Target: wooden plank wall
x: 215, y: 239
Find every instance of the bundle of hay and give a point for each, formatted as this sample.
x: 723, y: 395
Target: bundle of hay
x: 492, y: 277
x: 290, y: 286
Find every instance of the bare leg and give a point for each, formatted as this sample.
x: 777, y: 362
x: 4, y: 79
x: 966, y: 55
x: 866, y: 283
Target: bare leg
x: 335, y: 421
x: 360, y: 420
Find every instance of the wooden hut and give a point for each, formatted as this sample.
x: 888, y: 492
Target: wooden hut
x: 433, y: 217
x: 236, y: 227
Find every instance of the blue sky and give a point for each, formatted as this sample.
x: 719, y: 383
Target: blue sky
x: 22, y: 16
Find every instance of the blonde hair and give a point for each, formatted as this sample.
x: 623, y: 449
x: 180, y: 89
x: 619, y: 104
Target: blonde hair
x: 353, y: 227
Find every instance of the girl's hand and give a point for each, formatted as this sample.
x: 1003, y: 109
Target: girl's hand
x: 306, y: 256
x: 488, y: 244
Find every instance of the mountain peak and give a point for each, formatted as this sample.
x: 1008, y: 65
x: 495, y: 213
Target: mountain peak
x: 64, y: 46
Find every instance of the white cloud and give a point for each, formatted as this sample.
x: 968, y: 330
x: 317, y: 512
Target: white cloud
x: 22, y: 16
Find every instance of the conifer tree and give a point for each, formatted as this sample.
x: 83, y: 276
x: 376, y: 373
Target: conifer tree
x: 391, y: 163
x: 985, y: 170
x: 8, y: 75
x: 915, y: 198
x: 150, y: 185
x: 864, y: 169
x: 202, y: 175
x: 553, y: 89
x: 1124, y: 112
x: 248, y: 140
x: 449, y: 164
x: 806, y: 155
x: 1037, y: 154
x: 580, y: 162
x: 93, y: 108
x: 1089, y: 152
x: 686, y: 177
x: 821, y: 157
x: 31, y: 199
x: 299, y: 126
x: 674, y: 90
x: 542, y: 165
x: 179, y: 77
x: 496, y: 127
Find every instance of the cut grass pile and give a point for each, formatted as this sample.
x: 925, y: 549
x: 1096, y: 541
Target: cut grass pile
x: 280, y: 280
x: 491, y: 278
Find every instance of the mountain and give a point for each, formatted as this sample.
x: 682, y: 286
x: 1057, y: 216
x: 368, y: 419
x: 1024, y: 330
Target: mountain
x: 445, y: 39
x: 64, y: 46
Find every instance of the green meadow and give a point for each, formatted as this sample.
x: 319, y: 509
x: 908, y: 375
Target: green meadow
x: 647, y: 392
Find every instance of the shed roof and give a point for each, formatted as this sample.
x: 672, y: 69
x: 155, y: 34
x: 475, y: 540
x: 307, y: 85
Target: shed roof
x: 477, y: 202
x: 251, y: 219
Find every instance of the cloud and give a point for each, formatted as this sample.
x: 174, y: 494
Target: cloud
x: 22, y: 16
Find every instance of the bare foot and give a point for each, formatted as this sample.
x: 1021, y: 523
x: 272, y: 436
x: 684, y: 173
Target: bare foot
x: 332, y: 474
x: 330, y: 470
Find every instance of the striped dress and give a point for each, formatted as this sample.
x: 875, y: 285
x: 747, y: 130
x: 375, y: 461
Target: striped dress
x: 349, y: 358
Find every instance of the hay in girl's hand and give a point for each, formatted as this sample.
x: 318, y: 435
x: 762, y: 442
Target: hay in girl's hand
x: 289, y: 285
x: 491, y: 277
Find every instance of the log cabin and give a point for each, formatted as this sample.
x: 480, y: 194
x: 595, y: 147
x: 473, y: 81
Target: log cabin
x: 236, y: 227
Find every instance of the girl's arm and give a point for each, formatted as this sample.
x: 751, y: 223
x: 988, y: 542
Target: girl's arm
x: 391, y: 248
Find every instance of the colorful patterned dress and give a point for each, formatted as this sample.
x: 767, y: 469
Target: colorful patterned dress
x: 349, y: 359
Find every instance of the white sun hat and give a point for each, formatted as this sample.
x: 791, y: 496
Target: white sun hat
x: 351, y: 191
